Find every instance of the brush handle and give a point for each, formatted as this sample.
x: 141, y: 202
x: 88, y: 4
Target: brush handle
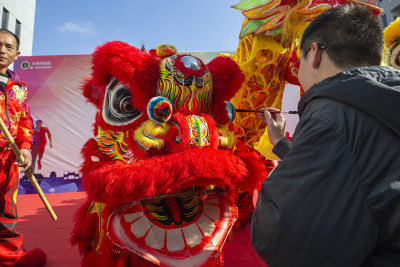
x: 258, y: 111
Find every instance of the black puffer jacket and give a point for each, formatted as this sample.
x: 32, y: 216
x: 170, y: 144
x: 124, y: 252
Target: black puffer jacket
x: 334, y: 200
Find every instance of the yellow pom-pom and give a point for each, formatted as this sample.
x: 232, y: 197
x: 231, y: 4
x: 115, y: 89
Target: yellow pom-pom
x: 392, y: 32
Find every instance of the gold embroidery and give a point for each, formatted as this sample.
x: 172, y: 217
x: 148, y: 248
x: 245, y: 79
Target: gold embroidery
x: 21, y: 92
x: 97, y: 207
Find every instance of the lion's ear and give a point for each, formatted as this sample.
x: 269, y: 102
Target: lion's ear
x: 227, y: 78
x: 91, y: 92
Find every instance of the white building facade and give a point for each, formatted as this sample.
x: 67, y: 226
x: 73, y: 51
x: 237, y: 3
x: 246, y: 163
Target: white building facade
x: 18, y: 16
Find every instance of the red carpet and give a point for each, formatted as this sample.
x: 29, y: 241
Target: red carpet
x: 40, y: 231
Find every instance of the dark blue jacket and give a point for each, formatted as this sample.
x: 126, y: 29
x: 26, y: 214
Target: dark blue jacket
x: 334, y: 200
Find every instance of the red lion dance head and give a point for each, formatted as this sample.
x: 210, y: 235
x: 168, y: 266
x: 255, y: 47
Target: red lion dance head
x: 164, y: 167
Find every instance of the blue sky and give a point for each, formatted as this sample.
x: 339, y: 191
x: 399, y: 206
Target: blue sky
x: 77, y: 27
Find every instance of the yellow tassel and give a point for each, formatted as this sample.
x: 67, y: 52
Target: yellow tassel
x: 227, y: 139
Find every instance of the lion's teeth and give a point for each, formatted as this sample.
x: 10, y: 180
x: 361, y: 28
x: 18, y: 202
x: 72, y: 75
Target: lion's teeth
x: 141, y: 226
x: 175, y: 240
x: 156, y: 237
x: 206, y: 225
x: 193, y: 235
x: 132, y: 216
x: 212, y: 211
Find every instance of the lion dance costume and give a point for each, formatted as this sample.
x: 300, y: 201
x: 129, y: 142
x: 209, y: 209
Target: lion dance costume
x: 392, y: 44
x: 162, y: 172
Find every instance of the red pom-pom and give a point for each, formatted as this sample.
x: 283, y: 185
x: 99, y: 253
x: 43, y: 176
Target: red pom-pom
x: 33, y: 258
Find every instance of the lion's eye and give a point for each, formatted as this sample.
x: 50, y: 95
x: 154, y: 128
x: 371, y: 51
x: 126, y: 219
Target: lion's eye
x: 125, y: 105
x: 117, y: 105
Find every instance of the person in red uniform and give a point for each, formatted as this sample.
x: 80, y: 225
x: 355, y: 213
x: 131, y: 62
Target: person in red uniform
x: 15, y: 113
x: 40, y: 143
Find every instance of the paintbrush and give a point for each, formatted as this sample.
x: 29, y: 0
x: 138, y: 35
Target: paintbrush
x: 258, y: 111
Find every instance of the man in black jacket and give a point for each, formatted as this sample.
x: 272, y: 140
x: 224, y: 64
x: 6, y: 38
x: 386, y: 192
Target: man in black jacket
x: 334, y: 200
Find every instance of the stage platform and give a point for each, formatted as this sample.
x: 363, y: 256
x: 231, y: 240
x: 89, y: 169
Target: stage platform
x: 41, y: 231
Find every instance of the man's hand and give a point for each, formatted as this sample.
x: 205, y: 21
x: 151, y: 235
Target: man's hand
x: 275, y: 123
x: 28, y: 160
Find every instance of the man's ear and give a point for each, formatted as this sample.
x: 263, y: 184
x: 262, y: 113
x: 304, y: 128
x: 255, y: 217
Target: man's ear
x: 17, y: 55
x: 315, y: 55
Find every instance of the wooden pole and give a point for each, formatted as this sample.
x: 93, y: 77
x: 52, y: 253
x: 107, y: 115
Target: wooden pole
x: 29, y: 173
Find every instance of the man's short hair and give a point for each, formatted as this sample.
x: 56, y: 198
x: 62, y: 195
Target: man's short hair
x: 351, y: 33
x: 15, y: 36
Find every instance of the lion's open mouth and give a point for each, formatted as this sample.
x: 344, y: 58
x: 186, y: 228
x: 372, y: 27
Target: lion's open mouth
x: 171, y: 230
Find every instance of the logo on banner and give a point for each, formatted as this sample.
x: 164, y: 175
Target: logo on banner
x: 41, y: 65
x: 25, y: 65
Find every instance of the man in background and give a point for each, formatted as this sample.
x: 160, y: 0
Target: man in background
x: 40, y: 144
x: 334, y: 200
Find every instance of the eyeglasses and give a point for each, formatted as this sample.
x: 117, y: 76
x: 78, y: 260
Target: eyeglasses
x: 306, y: 52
